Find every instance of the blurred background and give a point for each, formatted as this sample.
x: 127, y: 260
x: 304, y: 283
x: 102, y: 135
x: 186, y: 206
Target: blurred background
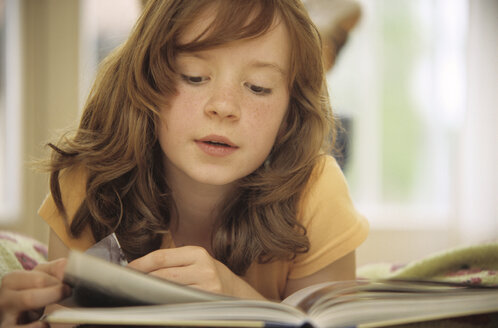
x: 415, y: 82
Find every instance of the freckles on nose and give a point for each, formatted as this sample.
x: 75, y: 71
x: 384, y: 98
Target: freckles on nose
x: 223, y: 104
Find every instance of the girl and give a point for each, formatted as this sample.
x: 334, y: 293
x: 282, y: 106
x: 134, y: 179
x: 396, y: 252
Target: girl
x: 202, y: 146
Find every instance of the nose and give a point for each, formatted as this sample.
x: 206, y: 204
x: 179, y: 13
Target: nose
x: 223, y: 104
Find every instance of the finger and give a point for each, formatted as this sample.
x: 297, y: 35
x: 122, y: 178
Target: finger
x: 35, y: 324
x: 30, y: 316
x: 203, y: 277
x: 171, y: 257
x: 19, y: 280
x: 186, y: 278
x: 181, y: 275
x: 36, y: 298
x: 54, y: 268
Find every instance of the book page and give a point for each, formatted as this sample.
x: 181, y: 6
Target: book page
x: 97, y: 282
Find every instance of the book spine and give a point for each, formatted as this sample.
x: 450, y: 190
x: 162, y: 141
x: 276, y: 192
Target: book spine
x: 288, y: 325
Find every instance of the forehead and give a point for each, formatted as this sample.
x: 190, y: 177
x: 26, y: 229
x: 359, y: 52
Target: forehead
x: 218, y: 24
x: 270, y: 51
x: 260, y: 35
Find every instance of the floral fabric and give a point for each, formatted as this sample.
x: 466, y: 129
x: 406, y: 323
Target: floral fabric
x: 19, y: 252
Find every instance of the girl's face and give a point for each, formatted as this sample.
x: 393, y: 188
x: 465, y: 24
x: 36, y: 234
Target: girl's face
x: 230, y: 102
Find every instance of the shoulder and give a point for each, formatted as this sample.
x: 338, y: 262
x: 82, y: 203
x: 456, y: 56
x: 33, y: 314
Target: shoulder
x: 327, y: 182
x: 326, y: 198
x: 72, y: 182
x: 73, y: 191
x: 333, y: 225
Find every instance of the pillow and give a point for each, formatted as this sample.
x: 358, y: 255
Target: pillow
x: 20, y: 252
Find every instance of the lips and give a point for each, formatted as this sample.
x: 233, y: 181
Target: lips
x: 217, y: 141
x: 217, y: 146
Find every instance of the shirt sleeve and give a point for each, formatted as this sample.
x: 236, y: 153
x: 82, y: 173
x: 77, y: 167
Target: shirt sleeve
x: 333, y: 225
x: 72, y: 183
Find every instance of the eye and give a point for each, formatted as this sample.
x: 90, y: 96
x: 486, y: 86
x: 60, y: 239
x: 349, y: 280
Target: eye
x: 195, y: 80
x: 257, y: 89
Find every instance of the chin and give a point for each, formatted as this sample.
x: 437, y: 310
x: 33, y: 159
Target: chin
x: 216, y: 181
x: 219, y: 177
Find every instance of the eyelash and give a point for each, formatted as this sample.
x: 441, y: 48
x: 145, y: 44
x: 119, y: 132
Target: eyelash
x: 190, y: 79
x: 257, y: 89
x: 197, y: 80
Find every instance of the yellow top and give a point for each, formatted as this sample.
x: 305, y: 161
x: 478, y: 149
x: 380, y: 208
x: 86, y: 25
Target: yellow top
x: 334, y: 227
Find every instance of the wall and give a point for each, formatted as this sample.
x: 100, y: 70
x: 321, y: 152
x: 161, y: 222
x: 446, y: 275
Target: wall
x: 49, y: 95
x: 475, y: 218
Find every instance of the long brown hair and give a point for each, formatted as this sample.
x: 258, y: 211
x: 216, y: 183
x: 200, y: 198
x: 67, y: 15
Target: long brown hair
x: 116, y: 142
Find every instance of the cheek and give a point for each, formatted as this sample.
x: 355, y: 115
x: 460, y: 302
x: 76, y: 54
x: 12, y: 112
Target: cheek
x: 176, y: 117
x: 266, y: 121
x: 162, y: 132
x: 271, y: 114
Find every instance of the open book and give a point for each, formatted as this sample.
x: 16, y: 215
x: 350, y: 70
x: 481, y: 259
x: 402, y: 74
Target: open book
x: 151, y: 301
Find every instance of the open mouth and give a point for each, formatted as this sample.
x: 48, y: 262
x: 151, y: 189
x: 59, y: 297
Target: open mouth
x: 215, y: 143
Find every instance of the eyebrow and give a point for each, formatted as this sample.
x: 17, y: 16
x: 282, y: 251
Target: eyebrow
x: 273, y: 66
x: 252, y: 64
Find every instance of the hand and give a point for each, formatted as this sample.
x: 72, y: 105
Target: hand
x: 195, y: 267
x: 24, y: 294
x: 188, y: 265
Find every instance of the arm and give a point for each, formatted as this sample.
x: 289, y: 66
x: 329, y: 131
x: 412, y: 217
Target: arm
x: 342, y: 269
x: 193, y: 266
x: 334, y: 228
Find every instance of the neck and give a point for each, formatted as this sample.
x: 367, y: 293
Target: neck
x: 196, y: 208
